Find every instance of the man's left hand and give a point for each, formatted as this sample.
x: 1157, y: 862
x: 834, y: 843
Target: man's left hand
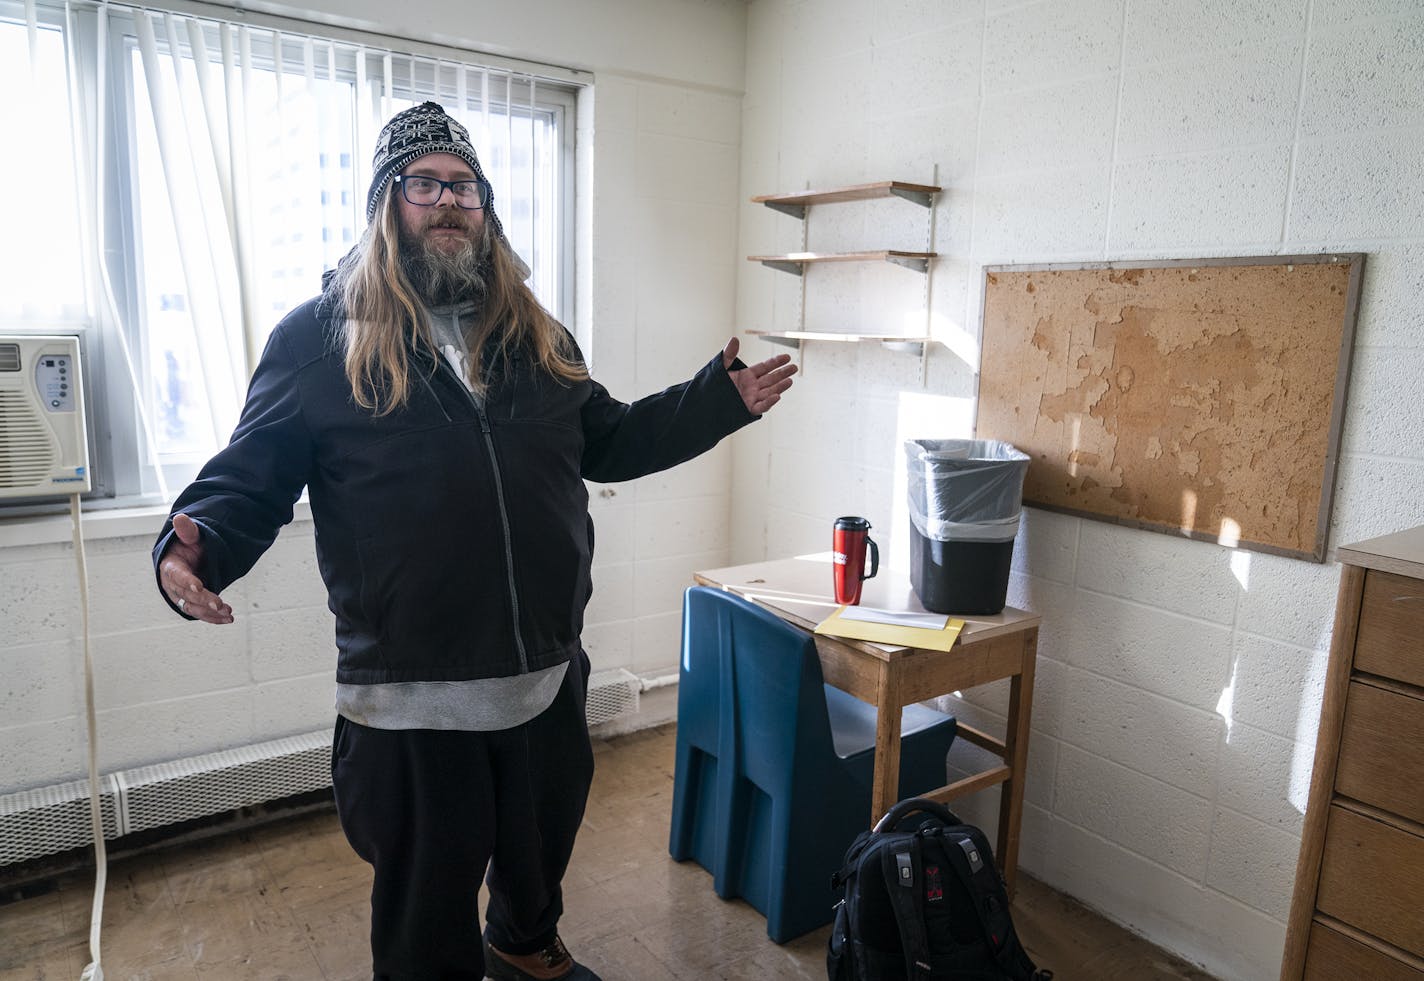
x: 760, y: 384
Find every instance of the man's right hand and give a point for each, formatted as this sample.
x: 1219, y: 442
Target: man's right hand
x: 177, y: 572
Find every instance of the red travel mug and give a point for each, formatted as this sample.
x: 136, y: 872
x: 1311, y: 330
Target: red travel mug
x: 849, y: 540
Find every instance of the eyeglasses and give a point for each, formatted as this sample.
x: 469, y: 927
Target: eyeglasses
x: 427, y: 191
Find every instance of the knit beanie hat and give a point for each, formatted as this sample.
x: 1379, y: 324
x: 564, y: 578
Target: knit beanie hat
x: 413, y: 133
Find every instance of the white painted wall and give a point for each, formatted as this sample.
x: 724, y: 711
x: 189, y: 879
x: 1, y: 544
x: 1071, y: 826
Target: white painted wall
x: 1179, y: 682
x: 658, y: 178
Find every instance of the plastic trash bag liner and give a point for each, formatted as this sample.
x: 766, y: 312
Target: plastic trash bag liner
x: 965, y: 490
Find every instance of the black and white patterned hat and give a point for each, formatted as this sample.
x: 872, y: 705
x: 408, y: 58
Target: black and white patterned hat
x: 413, y: 133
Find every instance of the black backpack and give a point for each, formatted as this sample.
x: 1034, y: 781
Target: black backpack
x: 925, y: 904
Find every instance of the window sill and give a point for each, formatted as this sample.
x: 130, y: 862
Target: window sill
x: 98, y: 524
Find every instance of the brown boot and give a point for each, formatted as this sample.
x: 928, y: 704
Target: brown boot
x: 553, y: 963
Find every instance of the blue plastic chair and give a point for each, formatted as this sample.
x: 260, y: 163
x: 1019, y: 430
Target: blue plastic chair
x: 774, y: 767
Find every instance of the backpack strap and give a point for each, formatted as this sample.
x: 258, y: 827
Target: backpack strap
x: 911, y: 805
x: 966, y: 876
x: 843, y: 874
x: 902, y: 869
x: 1010, y: 957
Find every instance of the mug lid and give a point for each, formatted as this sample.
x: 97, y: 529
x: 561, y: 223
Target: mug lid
x: 853, y: 523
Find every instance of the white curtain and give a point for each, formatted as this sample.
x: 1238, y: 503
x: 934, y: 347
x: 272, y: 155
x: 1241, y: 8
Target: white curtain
x: 197, y: 171
x: 40, y: 283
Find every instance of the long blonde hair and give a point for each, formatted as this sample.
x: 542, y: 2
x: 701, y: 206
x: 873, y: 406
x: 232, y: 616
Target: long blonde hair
x: 383, y: 315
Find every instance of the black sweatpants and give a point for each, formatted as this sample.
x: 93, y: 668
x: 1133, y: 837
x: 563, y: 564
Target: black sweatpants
x: 431, y: 809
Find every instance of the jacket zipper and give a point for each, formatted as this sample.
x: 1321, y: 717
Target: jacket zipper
x: 503, y: 510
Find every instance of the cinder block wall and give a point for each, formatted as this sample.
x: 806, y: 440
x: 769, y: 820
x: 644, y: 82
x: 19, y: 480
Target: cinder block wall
x: 164, y: 688
x: 664, y: 275
x: 1179, y: 682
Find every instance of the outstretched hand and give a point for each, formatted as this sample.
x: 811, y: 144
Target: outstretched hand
x: 177, y: 573
x: 760, y: 384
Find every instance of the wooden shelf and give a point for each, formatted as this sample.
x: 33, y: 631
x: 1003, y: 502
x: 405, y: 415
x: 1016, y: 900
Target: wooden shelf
x: 796, y: 202
x: 794, y: 338
x: 796, y: 262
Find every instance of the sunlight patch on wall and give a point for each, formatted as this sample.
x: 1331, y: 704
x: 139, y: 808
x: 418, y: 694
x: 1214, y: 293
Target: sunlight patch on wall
x: 1230, y: 533
x: 962, y: 343
x: 1301, y: 766
x: 1228, y: 694
x: 1307, y: 721
x: 1241, y: 569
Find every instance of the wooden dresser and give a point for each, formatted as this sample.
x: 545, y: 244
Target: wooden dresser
x: 1358, y: 907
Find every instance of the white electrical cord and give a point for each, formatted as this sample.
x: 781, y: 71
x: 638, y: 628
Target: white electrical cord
x: 93, y: 971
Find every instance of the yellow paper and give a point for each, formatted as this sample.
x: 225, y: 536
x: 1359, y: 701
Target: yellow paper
x: 886, y: 633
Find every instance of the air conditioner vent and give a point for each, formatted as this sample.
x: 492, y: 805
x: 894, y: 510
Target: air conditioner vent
x: 27, y: 451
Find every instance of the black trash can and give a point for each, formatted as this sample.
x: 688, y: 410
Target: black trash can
x: 965, y: 499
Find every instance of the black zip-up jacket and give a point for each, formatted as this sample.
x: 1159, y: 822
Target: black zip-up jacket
x: 454, y: 538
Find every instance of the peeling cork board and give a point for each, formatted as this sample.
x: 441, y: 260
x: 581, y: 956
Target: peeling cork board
x: 1196, y: 397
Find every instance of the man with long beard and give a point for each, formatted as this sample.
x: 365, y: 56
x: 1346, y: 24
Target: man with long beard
x: 443, y: 424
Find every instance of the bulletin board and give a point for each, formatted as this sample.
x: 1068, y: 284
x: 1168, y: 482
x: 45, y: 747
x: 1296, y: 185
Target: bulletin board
x: 1201, y: 398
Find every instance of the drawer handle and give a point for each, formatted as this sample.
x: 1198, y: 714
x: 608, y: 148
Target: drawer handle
x: 1407, y: 599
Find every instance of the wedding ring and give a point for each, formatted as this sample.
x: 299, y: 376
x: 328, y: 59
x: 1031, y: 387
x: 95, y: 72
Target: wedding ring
x: 182, y: 603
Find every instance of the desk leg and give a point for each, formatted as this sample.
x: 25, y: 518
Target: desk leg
x: 1016, y: 754
x: 886, y: 787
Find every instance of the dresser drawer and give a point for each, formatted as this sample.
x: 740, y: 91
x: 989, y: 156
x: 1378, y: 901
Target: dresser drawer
x: 1382, y: 750
x: 1390, y: 641
x: 1333, y: 956
x: 1372, y: 877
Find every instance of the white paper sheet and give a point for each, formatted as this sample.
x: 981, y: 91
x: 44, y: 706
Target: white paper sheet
x: 898, y: 618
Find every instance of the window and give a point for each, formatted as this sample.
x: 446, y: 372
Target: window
x: 235, y: 161
x: 37, y: 284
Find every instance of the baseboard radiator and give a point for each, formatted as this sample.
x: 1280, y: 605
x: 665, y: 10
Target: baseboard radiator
x: 35, y: 823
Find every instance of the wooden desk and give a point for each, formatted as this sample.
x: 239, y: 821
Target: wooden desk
x: 989, y: 648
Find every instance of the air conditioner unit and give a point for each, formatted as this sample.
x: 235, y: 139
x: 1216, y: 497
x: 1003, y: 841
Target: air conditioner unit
x: 43, y: 452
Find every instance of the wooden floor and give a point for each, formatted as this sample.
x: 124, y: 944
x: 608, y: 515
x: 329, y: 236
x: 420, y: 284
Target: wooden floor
x: 289, y: 901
